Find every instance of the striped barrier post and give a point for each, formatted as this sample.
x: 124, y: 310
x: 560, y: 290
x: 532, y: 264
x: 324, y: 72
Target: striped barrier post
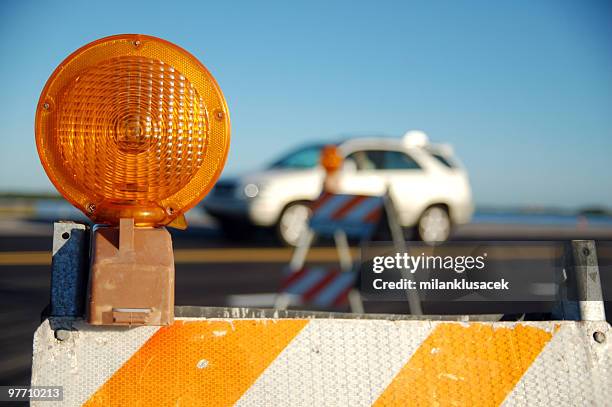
x: 341, y: 216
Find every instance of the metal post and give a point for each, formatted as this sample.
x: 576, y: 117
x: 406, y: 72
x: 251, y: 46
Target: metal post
x: 283, y: 300
x: 580, y: 291
x: 400, y: 246
x: 590, y: 298
x: 299, y: 255
x: 344, y: 253
x: 346, y: 265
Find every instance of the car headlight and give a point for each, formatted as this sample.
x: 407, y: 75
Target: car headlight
x: 251, y: 190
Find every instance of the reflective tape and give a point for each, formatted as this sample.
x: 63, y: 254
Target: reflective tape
x: 328, y: 362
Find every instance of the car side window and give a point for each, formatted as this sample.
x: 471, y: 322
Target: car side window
x: 383, y: 160
x: 367, y: 159
x: 397, y: 160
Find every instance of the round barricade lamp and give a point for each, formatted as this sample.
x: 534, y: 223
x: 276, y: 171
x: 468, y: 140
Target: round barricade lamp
x: 133, y: 131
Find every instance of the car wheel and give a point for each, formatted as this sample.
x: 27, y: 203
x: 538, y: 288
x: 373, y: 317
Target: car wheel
x: 292, y: 222
x: 434, y: 225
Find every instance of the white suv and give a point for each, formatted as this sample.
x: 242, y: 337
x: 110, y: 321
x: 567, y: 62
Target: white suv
x: 428, y: 186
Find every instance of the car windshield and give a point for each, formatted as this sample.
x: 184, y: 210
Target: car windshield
x: 305, y: 157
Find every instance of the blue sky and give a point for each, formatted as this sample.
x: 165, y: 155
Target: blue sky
x: 522, y: 89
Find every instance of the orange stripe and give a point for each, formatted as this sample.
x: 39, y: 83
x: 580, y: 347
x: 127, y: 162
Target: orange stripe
x: 346, y: 208
x: 195, y: 363
x: 343, y: 297
x: 458, y: 365
x: 320, y: 201
x: 292, y: 277
x: 329, y: 276
x: 373, y: 216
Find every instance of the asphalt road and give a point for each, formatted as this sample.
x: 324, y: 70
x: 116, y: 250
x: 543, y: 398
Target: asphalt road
x: 210, y: 270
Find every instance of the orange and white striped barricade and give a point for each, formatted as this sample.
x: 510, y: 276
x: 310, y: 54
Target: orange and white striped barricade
x: 238, y: 357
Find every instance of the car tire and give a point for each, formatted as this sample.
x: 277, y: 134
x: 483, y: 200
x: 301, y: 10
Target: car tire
x: 292, y: 221
x: 434, y: 225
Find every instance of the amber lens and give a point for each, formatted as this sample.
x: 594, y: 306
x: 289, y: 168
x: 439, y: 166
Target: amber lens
x: 331, y: 159
x: 132, y: 126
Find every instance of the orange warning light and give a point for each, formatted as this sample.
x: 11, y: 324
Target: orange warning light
x: 132, y: 126
x: 331, y: 159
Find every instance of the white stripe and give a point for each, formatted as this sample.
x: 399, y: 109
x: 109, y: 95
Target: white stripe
x: 337, y: 363
x: 87, y: 360
x: 568, y: 372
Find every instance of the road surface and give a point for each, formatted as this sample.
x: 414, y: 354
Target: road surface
x: 209, y: 271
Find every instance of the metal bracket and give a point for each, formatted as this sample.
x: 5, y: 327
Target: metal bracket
x: 132, y: 276
x: 69, y: 269
x: 581, y: 293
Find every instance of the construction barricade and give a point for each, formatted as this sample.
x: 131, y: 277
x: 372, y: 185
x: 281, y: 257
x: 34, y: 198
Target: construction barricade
x: 263, y: 359
x: 340, y: 216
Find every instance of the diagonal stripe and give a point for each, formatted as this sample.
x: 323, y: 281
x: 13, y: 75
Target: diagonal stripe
x: 564, y: 373
x: 292, y: 277
x: 352, y: 229
x: 343, y: 297
x: 320, y: 201
x: 373, y: 216
x: 311, y: 277
x: 331, y: 205
x: 466, y: 365
x: 315, y: 289
x: 198, y: 363
x: 91, y: 360
x: 359, y: 212
x: 335, y: 290
x: 348, y: 206
x: 337, y: 363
